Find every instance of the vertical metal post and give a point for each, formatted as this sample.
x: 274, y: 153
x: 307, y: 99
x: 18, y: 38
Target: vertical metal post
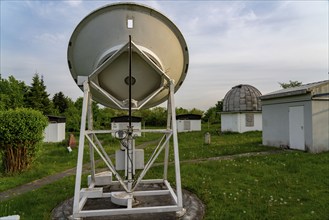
x: 166, y: 156
x: 176, y: 150
x: 77, y: 188
x: 130, y: 58
x: 130, y: 157
x: 91, y: 149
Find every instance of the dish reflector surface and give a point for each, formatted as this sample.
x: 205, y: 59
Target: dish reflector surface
x: 99, y: 51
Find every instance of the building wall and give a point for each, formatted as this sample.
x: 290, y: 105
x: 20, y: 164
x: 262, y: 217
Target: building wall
x: 188, y: 125
x: 320, y: 115
x: 229, y: 122
x: 276, y: 121
x: 54, y: 132
x: 275, y: 125
x: 236, y: 122
x: 257, y: 123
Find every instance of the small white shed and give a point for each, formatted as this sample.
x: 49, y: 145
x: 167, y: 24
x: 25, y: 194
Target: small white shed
x: 55, y: 131
x: 122, y: 122
x: 188, y: 122
x: 242, y: 110
x: 298, y: 117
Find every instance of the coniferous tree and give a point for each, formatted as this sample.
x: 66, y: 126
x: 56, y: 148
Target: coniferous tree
x: 37, y: 96
x: 60, y: 102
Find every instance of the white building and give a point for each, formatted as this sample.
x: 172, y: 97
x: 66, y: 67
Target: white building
x: 298, y: 117
x: 55, y: 131
x: 122, y: 122
x: 188, y: 122
x: 241, y: 110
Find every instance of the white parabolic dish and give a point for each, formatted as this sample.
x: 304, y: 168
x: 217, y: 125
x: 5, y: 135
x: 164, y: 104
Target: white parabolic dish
x: 99, y: 51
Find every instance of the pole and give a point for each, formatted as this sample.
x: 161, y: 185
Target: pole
x: 76, y: 207
x: 130, y: 58
x: 130, y: 156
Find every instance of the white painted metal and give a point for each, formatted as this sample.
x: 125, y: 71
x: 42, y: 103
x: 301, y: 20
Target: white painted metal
x: 98, y: 54
x: 296, y: 128
x: 123, y: 126
x: 98, y: 51
x: 81, y: 195
x: 76, y: 207
x: 175, y: 140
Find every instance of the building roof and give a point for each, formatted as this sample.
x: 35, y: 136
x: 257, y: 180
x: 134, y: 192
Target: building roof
x: 242, y: 98
x: 125, y: 118
x: 188, y: 117
x: 299, y: 90
x: 56, y: 119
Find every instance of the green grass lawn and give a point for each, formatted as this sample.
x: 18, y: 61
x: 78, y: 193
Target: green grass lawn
x: 51, y: 159
x: 289, y: 185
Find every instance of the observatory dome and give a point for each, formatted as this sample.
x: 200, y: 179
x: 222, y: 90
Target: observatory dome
x: 242, y: 98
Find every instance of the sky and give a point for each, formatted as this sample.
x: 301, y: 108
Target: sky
x: 260, y: 43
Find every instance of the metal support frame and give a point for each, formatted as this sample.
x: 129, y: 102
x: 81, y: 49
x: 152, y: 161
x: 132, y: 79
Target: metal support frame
x: 80, y: 197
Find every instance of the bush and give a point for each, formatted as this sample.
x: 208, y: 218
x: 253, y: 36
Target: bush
x: 21, y: 130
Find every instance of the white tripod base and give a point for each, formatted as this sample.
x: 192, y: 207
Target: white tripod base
x: 130, y: 189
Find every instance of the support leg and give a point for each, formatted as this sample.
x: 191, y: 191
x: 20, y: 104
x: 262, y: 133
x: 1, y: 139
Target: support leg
x: 91, y: 149
x: 176, y: 151
x: 77, y: 189
x: 166, y: 156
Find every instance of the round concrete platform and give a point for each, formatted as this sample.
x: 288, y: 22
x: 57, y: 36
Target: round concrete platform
x: 193, y: 205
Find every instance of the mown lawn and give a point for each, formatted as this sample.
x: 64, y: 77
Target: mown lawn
x: 51, y: 159
x: 289, y: 185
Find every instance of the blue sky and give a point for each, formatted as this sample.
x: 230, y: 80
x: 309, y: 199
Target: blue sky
x: 259, y: 43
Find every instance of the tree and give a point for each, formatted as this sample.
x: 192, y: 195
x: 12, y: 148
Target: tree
x: 60, y: 102
x: 104, y: 117
x: 181, y: 111
x: 219, y: 106
x: 73, y: 117
x: 12, y: 93
x: 196, y: 111
x: 37, y: 96
x: 290, y: 84
x: 212, y: 115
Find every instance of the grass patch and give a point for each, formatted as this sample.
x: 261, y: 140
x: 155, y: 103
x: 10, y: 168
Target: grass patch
x: 53, y: 158
x: 289, y: 185
x: 283, y: 186
x: 38, y: 204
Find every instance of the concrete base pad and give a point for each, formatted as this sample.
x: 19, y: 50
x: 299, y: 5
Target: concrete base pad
x: 193, y: 205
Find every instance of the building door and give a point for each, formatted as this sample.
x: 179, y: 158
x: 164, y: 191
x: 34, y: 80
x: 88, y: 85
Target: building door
x: 187, y: 125
x: 296, y: 128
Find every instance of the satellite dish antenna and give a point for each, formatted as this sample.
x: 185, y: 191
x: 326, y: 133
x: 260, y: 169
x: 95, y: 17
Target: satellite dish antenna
x: 127, y: 56
x: 98, y: 51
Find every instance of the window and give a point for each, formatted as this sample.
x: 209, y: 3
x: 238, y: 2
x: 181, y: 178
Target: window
x: 249, y: 119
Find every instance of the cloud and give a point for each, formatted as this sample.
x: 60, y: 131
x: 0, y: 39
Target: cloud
x: 51, y: 38
x: 73, y: 3
x: 230, y: 42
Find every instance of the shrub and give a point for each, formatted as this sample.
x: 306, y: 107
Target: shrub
x: 21, y: 130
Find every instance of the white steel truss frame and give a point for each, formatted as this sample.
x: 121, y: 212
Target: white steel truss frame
x: 80, y: 198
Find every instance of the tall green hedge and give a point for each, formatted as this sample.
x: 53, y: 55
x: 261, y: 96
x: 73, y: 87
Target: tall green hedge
x: 20, y: 132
